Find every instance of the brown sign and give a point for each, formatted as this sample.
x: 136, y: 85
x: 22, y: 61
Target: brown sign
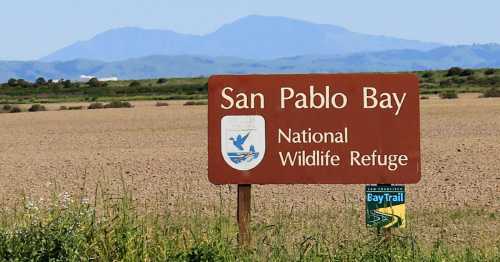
x: 314, y: 129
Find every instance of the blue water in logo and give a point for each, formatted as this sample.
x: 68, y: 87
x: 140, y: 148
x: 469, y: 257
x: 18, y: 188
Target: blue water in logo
x: 241, y: 155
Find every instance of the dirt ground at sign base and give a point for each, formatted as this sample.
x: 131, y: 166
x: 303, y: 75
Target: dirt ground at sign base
x: 161, y: 154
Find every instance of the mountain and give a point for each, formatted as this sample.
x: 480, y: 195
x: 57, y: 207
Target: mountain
x: 251, y: 37
x: 470, y: 56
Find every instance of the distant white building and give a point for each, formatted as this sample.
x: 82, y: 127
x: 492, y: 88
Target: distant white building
x: 85, y: 78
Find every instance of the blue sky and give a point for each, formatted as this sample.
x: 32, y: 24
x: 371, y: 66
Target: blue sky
x: 33, y: 28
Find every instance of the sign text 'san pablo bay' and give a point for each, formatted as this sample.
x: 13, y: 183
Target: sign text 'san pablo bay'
x: 314, y: 129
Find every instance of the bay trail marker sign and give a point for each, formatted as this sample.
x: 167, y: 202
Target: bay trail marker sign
x: 385, y: 206
x: 314, y: 129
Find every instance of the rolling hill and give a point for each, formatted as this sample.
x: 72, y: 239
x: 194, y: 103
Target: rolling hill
x: 251, y: 37
x: 473, y: 56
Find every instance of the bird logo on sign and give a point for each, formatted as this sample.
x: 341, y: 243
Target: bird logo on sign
x: 243, y: 141
x: 241, y: 154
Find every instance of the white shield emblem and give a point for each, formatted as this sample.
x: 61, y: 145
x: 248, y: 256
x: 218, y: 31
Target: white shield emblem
x: 243, y: 141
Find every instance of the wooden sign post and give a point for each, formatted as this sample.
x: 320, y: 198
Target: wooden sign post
x: 311, y: 129
x: 243, y: 214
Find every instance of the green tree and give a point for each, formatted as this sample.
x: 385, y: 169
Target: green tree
x: 427, y: 74
x: 489, y: 71
x: 40, y: 81
x: 12, y: 82
x: 467, y: 72
x: 23, y: 83
x: 67, y: 84
x: 454, y: 71
x: 94, y: 82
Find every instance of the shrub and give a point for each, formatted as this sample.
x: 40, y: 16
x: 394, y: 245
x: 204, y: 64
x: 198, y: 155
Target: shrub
x: 94, y: 82
x: 489, y: 71
x: 162, y: 81
x: 467, y: 72
x: 471, y: 78
x: 6, y: 108
x: 448, y: 94
x: 454, y: 71
x: 63, y: 108
x: 492, y: 92
x: 429, y: 80
x: 12, y: 82
x: 161, y: 104
x: 457, y: 80
x: 424, y: 97
x: 489, y: 81
x: 15, y: 109
x: 75, y: 108
x: 118, y: 104
x: 135, y: 84
x: 195, y: 103
x: 37, y: 108
x: 23, y: 83
x: 96, y: 106
x: 427, y: 74
x: 428, y: 86
x: 445, y: 83
x: 67, y: 84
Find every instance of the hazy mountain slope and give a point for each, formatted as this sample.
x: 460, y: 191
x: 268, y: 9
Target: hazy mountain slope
x: 252, y: 37
x: 32, y: 70
x: 263, y: 37
x: 124, y: 43
x: 186, y: 65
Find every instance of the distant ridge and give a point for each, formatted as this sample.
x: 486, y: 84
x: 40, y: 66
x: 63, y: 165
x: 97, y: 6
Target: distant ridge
x: 251, y: 37
x: 470, y: 56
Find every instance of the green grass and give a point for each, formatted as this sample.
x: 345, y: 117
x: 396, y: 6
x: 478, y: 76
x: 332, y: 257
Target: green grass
x: 70, y: 99
x: 439, y: 81
x: 120, y: 229
x: 175, y: 88
x: 431, y: 82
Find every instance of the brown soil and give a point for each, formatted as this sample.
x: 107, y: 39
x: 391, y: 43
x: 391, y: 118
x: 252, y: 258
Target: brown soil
x: 161, y: 154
